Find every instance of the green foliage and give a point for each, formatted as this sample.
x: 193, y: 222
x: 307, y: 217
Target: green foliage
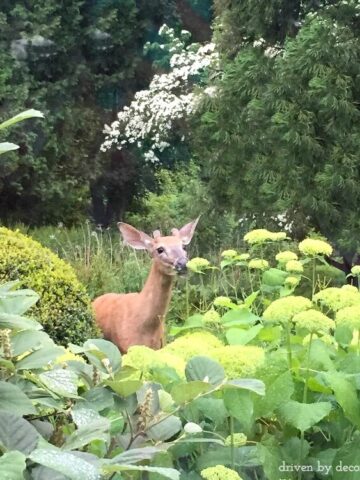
x: 70, y: 419
x: 78, y: 62
x: 281, y: 136
x: 64, y: 307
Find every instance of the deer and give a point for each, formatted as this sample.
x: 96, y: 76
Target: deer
x: 139, y: 318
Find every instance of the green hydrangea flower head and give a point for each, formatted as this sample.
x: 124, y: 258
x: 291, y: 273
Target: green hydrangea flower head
x: 219, y: 473
x: 286, y: 256
x: 294, y: 266
x: 229, y: 253
x: 314, y: 321
x: 198, y: 264
x: 292, y: 281
x: 211, y: 316
x: 336, y: 298
x: 312, y: 247
x: 258, y: 236
x: 283, y: 309
x: 222, y: 302
x: 192, y: 344
x: 258, y: 264
x: 243, y: 257
x: 349, y: 317
x: 356, y: 270
x: 240, y: 439
x: 239, y: 360
x: 144, y: 359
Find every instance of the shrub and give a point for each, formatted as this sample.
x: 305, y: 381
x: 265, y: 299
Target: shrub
x: 64, y: 307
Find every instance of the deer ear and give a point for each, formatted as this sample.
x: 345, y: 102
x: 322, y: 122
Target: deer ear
x: 135, y: 238
x: 187, y: 231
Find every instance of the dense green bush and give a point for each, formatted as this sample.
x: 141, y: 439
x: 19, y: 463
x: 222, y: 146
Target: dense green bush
x: 64, y: 307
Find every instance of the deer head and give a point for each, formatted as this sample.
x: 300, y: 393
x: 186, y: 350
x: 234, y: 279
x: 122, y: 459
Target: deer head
x: 169, y: 252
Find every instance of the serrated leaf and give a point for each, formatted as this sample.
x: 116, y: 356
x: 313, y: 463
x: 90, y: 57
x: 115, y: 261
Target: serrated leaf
x: 16, y: 433
x: 14, y: 400
x: 67, y: 463
x: 12, y: 466
x: 200, y: 368
x: 304, y: 415
x: 60, y: 381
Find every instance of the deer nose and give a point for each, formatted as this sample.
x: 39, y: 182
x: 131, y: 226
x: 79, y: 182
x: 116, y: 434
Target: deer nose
x: 180, y: 265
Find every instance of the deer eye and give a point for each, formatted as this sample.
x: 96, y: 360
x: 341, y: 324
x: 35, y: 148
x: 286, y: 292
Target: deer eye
x: 160, y: 250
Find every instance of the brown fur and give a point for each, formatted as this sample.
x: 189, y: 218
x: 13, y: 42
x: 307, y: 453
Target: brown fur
x: 138, y: 318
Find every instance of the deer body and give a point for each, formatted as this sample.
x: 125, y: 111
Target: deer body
x: 138, y: 318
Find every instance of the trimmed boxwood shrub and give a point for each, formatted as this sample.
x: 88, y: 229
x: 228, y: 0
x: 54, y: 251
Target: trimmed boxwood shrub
x: 64, y: 307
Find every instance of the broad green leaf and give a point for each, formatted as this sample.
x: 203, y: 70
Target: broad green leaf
x: 27, y: 340
x: 240, y: 405
x: 204, y: 369
x: 96, y: 430
x: 16, y: 322
x: 346, y: 395
x: 251, y: 384
x: 20, y: 117
x: 16, y: 433
x: 98, y: 398
x: 304, y: 415
x: 238, y: 318
x: 239, y: 336
x: 165, y: 429
x: 7, y: 147
x: 170, y: 473
x: 243, y: 457
x: 195, y: 321
x: 13, y: 400
x: 103, y: 354
x: 166, y: 401
x: 18, y: 302
x: 40, y: 358
x: 271, y: 459
x: 347, y: 456
x: 85, y: 416
x: 9, y: 286
x: 250, y: 299
x: 12, y: 465
x: 270, y: 334
x: 212, y: 409
x: 277, y: 393
x: 60, y: 381
x: 124, y: 387
x: 274, y: 277
x: 185, y: 392
x: 44, y: 473
x: 343, y: 335
x: 69, y: 464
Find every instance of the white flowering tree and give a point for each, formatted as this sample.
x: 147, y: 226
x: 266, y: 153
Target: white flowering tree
x: 149, y: 122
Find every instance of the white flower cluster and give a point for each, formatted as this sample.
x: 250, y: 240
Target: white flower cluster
x: 150, y: 118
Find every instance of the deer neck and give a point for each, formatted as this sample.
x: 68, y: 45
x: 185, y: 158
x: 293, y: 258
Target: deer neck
x: 156, y: 294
